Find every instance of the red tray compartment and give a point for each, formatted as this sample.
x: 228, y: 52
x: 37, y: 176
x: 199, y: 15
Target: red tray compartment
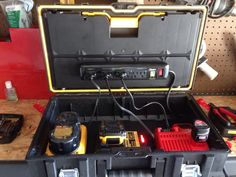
x: 178, y: 139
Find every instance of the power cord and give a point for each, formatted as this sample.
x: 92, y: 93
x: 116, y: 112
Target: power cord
x: 169, y: 91
x: 98, y: 98
x: 126, y: 110
x: 146, y: 105
x: 211, y: 6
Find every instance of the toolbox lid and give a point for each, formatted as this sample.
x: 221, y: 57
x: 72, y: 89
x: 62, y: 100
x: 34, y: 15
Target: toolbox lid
x: 76, y: 35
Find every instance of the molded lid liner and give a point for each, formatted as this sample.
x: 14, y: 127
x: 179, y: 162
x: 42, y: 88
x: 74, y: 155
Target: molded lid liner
x: 71, y: 39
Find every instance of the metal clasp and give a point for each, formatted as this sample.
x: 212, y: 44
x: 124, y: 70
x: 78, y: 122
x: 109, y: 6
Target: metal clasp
x: 190, y: 171
x: 69, y: 173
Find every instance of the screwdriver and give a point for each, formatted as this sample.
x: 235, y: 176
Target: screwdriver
x: 220, y: 117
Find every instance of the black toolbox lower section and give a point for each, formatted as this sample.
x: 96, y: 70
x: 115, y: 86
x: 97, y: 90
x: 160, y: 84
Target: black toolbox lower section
x: 147, y: 160
x: 158, y: 165
x: 230, y: 167
x: 13, y: 169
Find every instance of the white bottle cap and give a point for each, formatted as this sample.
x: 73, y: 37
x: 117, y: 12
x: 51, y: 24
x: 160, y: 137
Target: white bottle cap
x: 8, y: 84
x: 208, y: 70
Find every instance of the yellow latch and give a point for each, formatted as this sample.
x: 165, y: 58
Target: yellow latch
x: 124, y: 22
x: 67, y: 1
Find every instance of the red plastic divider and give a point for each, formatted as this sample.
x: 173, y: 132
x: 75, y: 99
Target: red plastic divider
x: 178, y: 140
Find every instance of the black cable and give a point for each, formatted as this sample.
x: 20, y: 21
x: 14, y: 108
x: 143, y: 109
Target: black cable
x: 169, y: 91
x: 203, y: 2
x: 128, y: 111
x: 146, y: 105
x: 222, y: 14
x: 211, y: 5
x: 219, y: 15
x: 98, y: 98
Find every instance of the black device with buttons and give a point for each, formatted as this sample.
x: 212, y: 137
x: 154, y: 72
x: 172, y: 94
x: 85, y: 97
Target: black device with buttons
x: 132, y: 71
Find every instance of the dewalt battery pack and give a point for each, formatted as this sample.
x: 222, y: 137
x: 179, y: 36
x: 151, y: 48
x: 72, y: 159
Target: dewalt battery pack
x: 112, y: 133
x: 126, y: 73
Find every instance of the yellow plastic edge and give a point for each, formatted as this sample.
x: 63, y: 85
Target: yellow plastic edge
x: 123, y: 22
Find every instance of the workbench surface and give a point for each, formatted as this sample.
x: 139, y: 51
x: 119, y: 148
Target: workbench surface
x: 17, y: 150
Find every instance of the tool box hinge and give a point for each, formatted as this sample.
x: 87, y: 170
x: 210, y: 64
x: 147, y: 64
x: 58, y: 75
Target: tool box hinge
x: 51, y: 168
x: 160, y: 168
x: 208, y: 165
x: 101, y: 168
x: 178, y: 165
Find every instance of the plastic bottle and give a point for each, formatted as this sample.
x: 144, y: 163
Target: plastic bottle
x: 10, y: 92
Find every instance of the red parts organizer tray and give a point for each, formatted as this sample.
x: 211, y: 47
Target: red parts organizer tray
x: 177, y: 139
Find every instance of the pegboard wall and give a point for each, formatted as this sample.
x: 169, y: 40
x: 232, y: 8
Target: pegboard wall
x: 220, y: 37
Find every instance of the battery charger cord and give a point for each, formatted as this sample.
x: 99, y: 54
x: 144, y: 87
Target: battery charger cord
x: 98, y: 97
x: 172, y: 73
x: 126, y: 110
x: 146, y: 105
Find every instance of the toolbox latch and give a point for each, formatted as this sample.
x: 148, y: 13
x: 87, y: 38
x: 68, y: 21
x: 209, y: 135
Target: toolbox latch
x: 190, y: 170
x: 69, y: 173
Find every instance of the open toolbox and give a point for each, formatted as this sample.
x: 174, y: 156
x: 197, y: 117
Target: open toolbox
x: 105, y: 63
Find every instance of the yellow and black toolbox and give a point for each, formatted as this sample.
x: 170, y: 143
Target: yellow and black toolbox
x: 121, y: 74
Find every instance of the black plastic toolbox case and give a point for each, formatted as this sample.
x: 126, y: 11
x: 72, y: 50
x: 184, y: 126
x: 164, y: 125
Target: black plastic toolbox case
x: 77, y: 35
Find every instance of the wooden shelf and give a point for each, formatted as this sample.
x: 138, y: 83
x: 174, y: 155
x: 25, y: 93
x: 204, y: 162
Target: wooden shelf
x: 17, y: 150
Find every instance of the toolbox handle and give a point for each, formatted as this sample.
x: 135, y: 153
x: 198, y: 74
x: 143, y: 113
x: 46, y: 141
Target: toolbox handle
x: 124, y: 22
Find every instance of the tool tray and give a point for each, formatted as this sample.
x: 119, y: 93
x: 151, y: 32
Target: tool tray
x: 75, y: 36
